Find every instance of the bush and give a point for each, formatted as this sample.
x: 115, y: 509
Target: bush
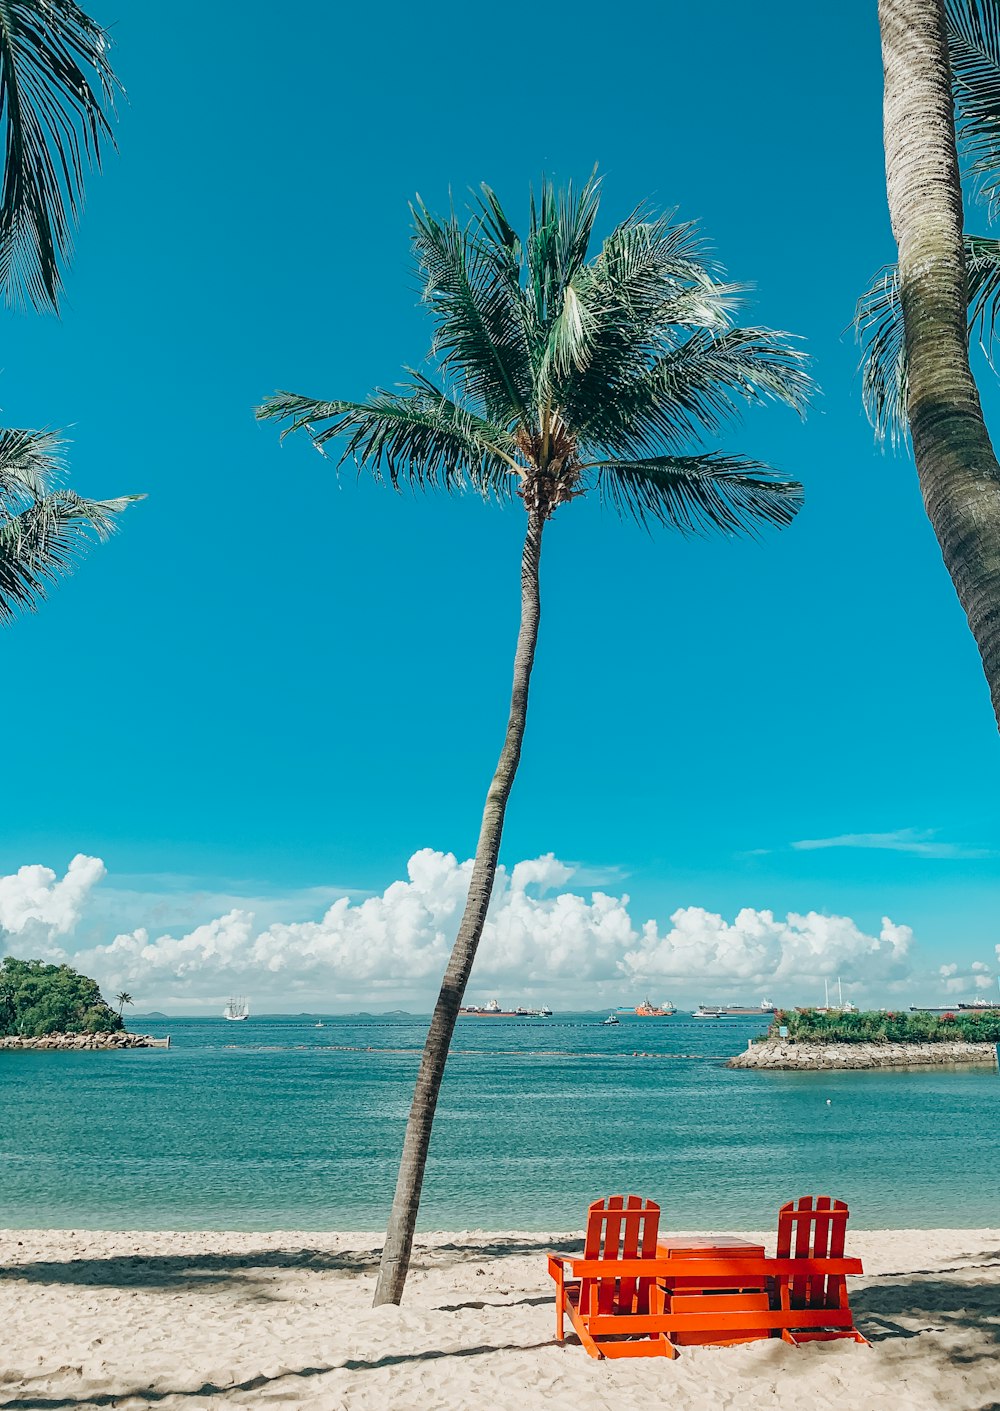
x: 889, y: 1026
x: 38, y: 999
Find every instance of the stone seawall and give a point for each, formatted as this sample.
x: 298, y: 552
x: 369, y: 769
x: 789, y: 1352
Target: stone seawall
x: 806, y: 1054
x: 78, y: 1042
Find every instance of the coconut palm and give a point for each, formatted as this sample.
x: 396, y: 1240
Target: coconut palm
x: 122, y: 999
x: 914, y: 320
x: 561, y: 372
x: 44, y: 527
x: 57, y: 93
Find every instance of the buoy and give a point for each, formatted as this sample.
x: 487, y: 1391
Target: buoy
x: 828, y: 1102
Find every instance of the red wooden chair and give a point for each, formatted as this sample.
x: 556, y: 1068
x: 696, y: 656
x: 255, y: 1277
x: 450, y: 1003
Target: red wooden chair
x: 621, y: 1227
x: 814, y: 1227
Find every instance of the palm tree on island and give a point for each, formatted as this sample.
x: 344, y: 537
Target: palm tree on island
x: 561, y: 373
x: 57, y: 92
x: 122, y: 999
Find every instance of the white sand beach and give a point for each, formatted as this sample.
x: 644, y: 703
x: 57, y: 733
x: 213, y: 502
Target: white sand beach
x: 249, y: 1320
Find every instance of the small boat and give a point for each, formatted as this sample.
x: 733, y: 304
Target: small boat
x: 236, y: 1009
x: 707, y: 1012
x: 319, y: 1024
x: 611, y: 1019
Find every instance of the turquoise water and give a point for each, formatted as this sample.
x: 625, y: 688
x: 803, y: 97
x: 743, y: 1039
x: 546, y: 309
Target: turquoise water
x: 275, y: 1124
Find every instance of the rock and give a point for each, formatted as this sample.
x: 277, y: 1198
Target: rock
x: 812, y: 1056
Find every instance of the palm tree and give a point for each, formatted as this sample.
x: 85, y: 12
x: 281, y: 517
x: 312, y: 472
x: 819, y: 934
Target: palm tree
x: 57, y: 93
x: 122, y: 999
x: 559, y: 375
x: 915, y: 318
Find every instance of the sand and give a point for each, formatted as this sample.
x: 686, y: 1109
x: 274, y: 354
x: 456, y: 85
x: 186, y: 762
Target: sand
x: 258, y: 1320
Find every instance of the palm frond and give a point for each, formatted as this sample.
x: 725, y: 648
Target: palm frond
x: 878, y: 323
x: 32, y: 464
x: 973, y: 28
x: 695, y: 494
x: 43, y: 542
x: 57, y: 92
x: 480, y: 335
x: 700, y: 386
x: 416, y: 436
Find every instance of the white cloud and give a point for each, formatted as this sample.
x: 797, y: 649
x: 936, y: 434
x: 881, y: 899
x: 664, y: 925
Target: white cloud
x: 36, y: 906
x: 542, y: 940
x: 758, y: 947
x: 921, y: 841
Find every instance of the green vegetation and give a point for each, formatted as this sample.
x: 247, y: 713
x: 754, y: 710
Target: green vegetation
x: 38, y: 999
x: 888, y: 1026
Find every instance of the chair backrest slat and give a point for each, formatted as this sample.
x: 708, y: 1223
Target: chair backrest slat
x: 621, y: 1227
x: 819, y: 1226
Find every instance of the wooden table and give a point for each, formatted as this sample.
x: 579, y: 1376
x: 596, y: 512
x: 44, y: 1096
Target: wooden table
x: 704, y: 1293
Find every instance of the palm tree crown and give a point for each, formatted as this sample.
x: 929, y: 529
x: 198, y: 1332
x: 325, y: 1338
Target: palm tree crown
x: 559, y: 374
x: 44, y: 527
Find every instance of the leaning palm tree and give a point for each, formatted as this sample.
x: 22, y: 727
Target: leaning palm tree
x: 561, y: 372
x: 57, y: 91
x: 914, y: 320
x: 44, y: 527
x: 122, y: 999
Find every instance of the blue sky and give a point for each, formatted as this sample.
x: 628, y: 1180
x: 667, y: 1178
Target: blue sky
x: 273, y: 683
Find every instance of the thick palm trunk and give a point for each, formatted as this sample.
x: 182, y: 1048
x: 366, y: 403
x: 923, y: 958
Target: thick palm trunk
x: 956, y: 464
x: 403, y: 1218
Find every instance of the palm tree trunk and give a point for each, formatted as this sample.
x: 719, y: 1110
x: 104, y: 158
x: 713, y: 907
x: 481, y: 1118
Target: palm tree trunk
x: 403, y: 1218
x: 956, y: 465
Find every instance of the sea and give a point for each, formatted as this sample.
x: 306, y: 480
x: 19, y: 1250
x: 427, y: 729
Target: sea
x: 296, y: 1123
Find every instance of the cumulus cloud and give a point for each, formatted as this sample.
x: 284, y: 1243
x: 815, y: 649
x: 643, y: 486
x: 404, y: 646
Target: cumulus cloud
x: 757, y: 946
x: 542, y: 939
x: 36, y: 906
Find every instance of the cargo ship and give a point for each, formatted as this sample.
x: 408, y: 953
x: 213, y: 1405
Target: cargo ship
x: 491, y: 1009
x: 649, y: 1010
x: 734, y: 1011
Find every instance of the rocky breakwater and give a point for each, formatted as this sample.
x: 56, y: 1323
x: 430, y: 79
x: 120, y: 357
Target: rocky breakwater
x: 79, y: 1042
x: 815, y: 1055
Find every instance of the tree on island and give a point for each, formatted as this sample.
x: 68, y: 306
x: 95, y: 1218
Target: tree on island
x: 38, y: 999
x: 57, y: 91
x: 559, y: 375
x: 122, y: 999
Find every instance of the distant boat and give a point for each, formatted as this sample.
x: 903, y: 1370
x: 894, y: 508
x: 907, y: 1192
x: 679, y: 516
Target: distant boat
x: 319, y: 1025
x: 491, y: 1009
x: 611, y: 1019
x: 649, y: 1010
x: 236, y: 1009
x: 710, y: 1012
x: 734, y: 1011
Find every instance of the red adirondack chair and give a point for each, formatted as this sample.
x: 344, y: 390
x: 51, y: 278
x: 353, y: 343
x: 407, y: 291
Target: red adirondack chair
x: 814, y: 1227
x: 621, y: 1227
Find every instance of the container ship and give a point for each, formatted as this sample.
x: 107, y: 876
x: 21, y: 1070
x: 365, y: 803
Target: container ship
x: 734, y: 1011
x: 491, y: 1009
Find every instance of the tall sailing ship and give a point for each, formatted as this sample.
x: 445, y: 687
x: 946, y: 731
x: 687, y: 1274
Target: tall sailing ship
x: 237, y: 1008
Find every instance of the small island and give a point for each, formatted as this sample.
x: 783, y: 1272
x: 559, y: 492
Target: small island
x: 55, y: 1007
x: 817, y: 1039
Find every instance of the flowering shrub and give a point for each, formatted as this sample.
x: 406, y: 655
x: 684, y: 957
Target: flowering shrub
x: 889, y: 1026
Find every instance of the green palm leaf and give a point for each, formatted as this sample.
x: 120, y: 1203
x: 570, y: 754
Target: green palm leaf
x: 732, y: 494
x: 879, y: 328
x: 417, y: 435
x: 974, y: 50
x: 44, y: 527
x: 57, y: 93
x: 565, y: 360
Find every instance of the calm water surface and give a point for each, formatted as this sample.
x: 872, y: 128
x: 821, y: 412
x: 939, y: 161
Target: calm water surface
x: 276, y: 1124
